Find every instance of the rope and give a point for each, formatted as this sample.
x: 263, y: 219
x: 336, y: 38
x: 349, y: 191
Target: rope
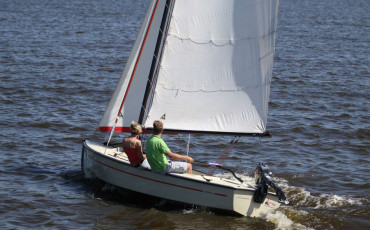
x: 178, y: 135
x: 188, y: 146
x: 223, y: 156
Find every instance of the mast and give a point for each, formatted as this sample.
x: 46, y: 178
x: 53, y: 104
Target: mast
x: 137, y: 61
x: 157, y: 56
x: 125, y: 103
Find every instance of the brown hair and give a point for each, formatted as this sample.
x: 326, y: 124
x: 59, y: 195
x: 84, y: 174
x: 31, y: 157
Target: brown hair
x: 135, y: 128
x: 157, y: 127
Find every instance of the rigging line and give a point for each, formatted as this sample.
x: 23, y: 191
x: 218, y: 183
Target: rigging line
x: 188, y: 146
x: 150, y: 100
x: 144, y: 110
x: 178, y: 135
x: 220, y: 159
x: 152, y: 79
x: 224, y: 154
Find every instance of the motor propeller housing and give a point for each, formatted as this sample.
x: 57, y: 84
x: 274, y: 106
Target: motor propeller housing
x: 263, y: 179
x: 261, y: 171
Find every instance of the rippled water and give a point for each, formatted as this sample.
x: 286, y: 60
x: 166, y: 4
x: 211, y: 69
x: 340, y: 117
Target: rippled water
x: 60, y: 62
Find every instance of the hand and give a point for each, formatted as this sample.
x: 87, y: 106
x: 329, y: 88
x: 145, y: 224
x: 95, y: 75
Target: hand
x: 189, y: 160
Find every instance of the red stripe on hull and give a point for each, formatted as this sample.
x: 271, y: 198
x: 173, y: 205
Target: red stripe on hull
x: 218, y: 194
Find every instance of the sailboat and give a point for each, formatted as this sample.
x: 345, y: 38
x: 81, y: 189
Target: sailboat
x: 199, y: 66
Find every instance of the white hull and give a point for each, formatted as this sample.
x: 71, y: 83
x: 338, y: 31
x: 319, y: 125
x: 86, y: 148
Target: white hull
x: 111, y: 165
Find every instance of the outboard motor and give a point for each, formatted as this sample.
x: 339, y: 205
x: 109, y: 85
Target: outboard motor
x: 262, y: 177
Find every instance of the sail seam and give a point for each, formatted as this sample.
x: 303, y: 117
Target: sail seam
x: 216, y: 90
x: 209, y: 91
x: 227, y: 41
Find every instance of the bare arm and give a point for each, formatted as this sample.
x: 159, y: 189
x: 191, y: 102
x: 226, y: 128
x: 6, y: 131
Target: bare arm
x: 139, y: 148
x: 175, y: 156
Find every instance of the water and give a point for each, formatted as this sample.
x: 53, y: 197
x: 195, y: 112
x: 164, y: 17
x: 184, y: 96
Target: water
x: 60, y: 62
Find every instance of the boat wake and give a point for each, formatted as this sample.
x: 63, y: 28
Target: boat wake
x: 301, y: 198
x: 304, y: 206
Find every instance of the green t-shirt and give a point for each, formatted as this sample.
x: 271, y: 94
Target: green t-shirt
x: 156, y: 150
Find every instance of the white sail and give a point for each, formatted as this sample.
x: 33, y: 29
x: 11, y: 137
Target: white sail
x: 213, y: 70
x: 136, y: 70
x: 216, y: 67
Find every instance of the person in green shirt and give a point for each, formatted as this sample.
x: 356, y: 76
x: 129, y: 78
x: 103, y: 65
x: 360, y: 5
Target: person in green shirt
x: 157, y: 152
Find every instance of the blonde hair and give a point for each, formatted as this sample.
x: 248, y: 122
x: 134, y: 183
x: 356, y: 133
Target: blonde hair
x: 135, y: 128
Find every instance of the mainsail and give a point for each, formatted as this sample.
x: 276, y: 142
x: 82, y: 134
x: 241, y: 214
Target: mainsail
x: 208, y: 70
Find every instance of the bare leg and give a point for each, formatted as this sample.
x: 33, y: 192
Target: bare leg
x: 190, y: 169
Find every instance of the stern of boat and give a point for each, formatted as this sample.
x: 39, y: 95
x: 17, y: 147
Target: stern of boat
x: 244, y: 204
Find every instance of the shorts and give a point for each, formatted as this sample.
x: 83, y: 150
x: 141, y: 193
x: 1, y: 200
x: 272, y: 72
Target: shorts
x: 145, y: 164
x: 176, y: 167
